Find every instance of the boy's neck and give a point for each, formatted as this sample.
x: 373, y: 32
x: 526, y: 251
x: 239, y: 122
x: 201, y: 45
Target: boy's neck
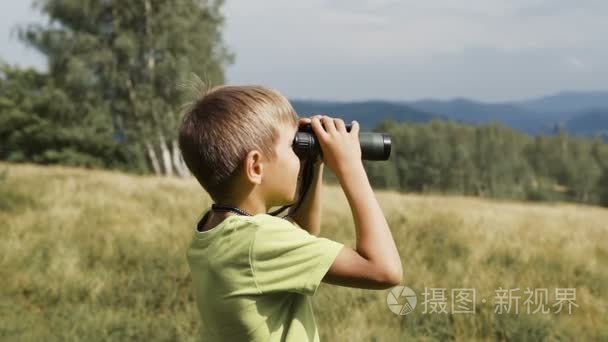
x: 251, y: 199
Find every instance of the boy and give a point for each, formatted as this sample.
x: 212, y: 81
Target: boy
x: 253, y: 273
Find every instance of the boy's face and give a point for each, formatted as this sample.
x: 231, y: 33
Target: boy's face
x: 281, y: 175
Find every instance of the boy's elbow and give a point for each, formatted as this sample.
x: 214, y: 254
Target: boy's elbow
x: 395, y: 277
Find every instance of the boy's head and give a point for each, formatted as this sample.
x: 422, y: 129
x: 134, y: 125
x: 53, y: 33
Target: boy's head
x: 241, y: 136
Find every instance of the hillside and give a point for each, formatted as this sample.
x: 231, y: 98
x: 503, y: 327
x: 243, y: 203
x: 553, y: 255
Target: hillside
x: 534, y: 116
x: 469, y: 111
x: 567, y: 101
x: 591, y: 122
x: 98, y: 255
x: 367, y: 113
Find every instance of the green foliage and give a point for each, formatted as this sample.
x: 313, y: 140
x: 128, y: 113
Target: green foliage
x: 112, y: 85
x: 129, y: 56
x: 491, y: 160
x: 39, y: 123
x: 603, y: 188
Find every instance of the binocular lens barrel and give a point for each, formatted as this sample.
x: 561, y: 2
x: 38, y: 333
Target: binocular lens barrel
x: 374, y: 146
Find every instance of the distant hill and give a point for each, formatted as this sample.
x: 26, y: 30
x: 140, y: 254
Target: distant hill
x: 582, y: 113
x: 592, y: 122
x: 367, y: 113
x: 567, y: 102
x: 469, y: 111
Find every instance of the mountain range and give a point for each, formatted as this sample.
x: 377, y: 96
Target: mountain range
x: 578, y: 113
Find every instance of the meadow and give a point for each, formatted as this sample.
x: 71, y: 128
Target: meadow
x: 100, y: 255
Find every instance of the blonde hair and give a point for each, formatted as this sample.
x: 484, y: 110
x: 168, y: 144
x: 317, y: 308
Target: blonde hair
x: 220, y: 128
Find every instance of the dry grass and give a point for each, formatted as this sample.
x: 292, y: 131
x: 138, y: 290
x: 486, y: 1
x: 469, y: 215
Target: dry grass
x: 97, y: 255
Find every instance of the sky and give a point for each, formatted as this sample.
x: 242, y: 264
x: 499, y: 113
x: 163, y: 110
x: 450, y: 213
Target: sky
x: 400, y: 50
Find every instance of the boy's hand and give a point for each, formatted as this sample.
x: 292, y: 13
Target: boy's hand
x: 341, y: 149
x: 305, y: 121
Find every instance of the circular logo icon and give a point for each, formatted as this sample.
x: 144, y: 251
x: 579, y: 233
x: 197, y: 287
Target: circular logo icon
x: 401, y: 300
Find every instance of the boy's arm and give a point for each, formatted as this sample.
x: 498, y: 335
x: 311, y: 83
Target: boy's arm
x: 308, y: 215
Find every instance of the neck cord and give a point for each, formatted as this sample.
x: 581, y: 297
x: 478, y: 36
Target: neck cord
x: 220, y: 207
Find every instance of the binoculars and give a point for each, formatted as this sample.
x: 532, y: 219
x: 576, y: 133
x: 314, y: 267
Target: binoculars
x: 374, y: 146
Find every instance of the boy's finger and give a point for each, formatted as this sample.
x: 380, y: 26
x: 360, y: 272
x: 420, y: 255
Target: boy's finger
x: 329, y: 125
x: 340, y: 126
x: 303, y: 121
x: 314, y: 116
x: 319, y: 131
x: 354, y: 127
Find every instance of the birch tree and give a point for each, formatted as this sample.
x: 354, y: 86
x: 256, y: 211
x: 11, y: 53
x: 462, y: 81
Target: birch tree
x: 129, y: 57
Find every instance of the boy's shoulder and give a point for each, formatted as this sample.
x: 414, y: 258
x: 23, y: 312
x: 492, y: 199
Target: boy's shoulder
x: 271, y: 222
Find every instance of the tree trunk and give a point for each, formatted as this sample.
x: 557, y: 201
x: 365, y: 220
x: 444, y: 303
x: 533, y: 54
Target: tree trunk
x: 187, y: 173
x: 178, y: 161
x: 153, y: 159
x: 166, y: 154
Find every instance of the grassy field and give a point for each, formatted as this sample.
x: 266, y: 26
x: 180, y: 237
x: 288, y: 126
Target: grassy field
x: 97, y: 255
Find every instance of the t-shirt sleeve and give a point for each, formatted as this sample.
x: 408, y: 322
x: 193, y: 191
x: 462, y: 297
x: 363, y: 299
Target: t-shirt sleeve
x: 285, y: 257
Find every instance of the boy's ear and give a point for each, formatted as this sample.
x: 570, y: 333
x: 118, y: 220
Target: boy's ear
x: 254, y: 166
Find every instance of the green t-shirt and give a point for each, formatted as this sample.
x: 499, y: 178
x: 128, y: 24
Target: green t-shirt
x: 254, y: 277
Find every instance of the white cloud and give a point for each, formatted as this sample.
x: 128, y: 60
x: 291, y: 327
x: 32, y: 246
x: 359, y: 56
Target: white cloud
x: 575, y: 63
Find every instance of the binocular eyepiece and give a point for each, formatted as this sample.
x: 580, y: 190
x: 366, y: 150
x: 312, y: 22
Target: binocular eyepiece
x: 374, y: 146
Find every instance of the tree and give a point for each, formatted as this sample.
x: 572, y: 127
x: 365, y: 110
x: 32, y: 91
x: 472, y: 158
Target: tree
x: 128, y: 57
x: 583, y: 173
x: 39, y: 124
